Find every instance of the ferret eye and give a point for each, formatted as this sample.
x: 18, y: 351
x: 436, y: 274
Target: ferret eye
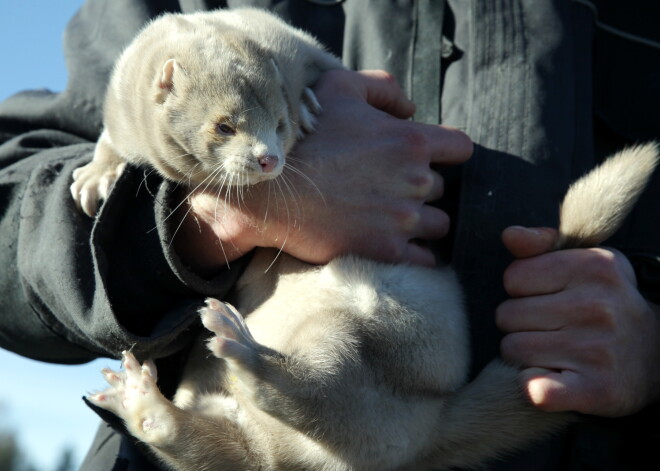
x: 281, y: 126
x: 225, y: 129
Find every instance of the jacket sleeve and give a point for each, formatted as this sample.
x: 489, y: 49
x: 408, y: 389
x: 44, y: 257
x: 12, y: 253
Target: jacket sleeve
x: 73, y: 288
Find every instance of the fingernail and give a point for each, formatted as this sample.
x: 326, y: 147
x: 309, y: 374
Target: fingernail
x: 526, y: 229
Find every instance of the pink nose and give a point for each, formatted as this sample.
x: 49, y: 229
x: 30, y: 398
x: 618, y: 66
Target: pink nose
x: 268, y: 162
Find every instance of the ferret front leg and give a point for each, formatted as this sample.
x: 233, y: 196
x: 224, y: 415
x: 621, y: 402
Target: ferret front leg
x: 92, y: 183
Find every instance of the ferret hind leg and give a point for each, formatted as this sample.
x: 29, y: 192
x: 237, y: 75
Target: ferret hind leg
x: 488, y: 418
x: 282, y: 385
x: 184, y: 441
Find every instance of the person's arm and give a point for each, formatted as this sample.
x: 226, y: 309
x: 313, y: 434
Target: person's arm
x: 72, y: 288
x: 77, y: 288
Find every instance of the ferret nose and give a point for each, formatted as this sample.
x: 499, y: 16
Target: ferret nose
x: 268, y: 162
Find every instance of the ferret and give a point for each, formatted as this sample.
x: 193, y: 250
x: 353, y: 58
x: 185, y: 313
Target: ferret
x: 353, y: 365
x: 206, y: 98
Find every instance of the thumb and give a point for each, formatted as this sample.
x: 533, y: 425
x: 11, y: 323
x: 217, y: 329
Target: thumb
x: 556, y: 391
x: 525, y: 242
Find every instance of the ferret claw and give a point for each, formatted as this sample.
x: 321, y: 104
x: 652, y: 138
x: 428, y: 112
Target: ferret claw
x: 233, y: 339
x: 134, y: 397
x: 92, y: 184
x: 309, y: 109
x: 125, y: 385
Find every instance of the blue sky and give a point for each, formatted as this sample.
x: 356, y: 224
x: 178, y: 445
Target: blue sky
x: 38, y: 400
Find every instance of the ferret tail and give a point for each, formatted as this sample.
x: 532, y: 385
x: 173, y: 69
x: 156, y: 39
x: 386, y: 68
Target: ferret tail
x: 595, y: 206
x: 491, y: 416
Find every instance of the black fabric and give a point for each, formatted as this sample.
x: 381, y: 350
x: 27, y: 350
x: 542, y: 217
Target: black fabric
x: 542, y: 89
x: 77, y: 288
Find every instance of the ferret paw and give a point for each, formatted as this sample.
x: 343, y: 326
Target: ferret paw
x: 134, y: 397
x: 233, y: 339
x: 253, y: 369
x: 309, y: 109
x: 92, y: 184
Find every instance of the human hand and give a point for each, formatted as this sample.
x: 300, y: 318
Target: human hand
x: 358, y: 184
x: 576, y: 323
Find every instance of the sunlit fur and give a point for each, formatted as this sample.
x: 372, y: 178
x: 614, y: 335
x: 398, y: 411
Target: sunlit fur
x: 186, y: 75
x: 594, y: 208
x: 354, y: 365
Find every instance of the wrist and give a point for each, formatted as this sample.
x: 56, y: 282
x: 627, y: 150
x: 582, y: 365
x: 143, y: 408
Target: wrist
x: 209, y: 237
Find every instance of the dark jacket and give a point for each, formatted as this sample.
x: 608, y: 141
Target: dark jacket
x: 545, y: 89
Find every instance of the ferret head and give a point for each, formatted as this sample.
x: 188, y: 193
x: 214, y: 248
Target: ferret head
x: 227, y: 117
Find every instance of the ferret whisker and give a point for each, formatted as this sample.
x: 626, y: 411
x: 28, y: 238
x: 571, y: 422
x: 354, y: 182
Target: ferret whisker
x: 295, y: 197
x: 277, y: 255
x: 242, y: 187
x: 270, y: 187
x: 192, y: 172
x: 143, y: 181
x: 223, y: 187
x: 286, y: 207
x: 236, y: 189
x: 246, y: 110
x: 228, y: 190
x: 286, y: 236
x: 307, y: 179
x: 290, y: 158
x: 183, y: 200
x: 169, y: 244
x: 221, y: 194
x: 210, y: 178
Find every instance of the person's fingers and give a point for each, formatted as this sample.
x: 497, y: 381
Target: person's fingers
x: 433, y: 224
x: 426, y: 185
x: 439, y: 145
x: 525, y: 242
x: 550, y: 391
x: 447, y: 145
x: 525, y: 277
x: 419, y: 254
x: 533, y: 313
x: 377, y: 87
x: 555, y: 350
x: 381, y: 90
x: 437, y: 188
x: 555, y: 271
x: 566, y: 390
x: 551, y: 312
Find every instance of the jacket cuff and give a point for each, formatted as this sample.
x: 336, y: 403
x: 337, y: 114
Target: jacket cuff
x: 647, y: 271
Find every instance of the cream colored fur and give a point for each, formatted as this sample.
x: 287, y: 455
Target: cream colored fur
x: 185, y: 80
x: 594, y: 208
x: 355, y: 365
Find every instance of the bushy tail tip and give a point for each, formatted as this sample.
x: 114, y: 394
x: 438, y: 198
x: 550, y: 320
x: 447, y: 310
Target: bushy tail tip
x: 595, y: 206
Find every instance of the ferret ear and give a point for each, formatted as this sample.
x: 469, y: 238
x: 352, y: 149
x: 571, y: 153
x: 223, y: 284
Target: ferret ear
x: 166, y: 81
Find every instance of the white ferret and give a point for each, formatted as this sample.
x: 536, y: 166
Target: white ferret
x: 205, y: 98
x: 354, y: 365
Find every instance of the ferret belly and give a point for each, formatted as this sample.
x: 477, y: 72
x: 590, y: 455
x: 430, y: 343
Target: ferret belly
x: 411, y: 320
